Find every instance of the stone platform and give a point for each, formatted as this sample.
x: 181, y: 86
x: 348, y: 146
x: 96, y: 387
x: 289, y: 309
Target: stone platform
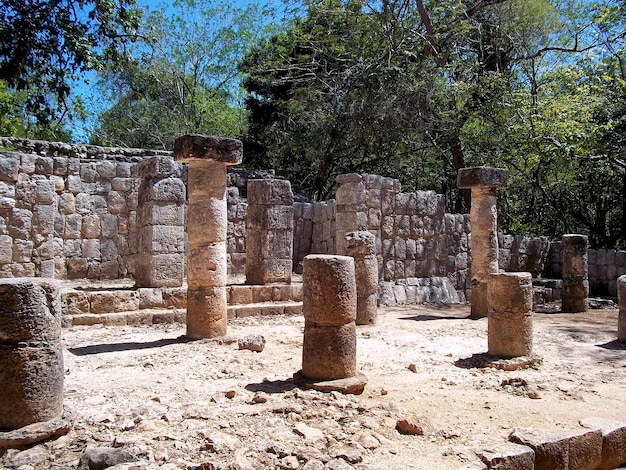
x: 119, y: 302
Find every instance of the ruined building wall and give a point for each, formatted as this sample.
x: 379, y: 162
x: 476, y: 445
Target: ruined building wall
x: 70, y: 211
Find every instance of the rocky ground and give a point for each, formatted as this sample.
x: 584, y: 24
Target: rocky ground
x: 145, y: 396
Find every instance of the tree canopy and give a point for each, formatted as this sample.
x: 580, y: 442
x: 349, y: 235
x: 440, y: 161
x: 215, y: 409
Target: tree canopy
x: 45, y: 45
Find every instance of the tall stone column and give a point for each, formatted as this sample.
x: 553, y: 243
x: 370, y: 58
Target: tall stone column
x: 161, y: 224
x: 575, y: 273
x: 483, y: 181
x: 351, y: 208
x: 269, y: 231
x: 621, y: 299
x: 329, y: 308
x: 510, y: 322
x: 207, y: 222
x: 360, y: 246
x: 31, y: 353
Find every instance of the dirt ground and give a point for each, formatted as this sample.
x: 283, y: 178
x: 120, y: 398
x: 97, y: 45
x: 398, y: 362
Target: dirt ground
x: 204, y: 405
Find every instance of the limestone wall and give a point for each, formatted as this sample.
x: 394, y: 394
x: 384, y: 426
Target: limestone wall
x: 314, y: 230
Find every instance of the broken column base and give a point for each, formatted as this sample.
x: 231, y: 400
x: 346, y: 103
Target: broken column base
x: 348, y: 386
x: 34, y: 433
x: 484, y: 360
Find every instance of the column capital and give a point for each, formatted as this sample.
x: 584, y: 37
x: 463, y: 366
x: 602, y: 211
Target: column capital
x: 202, y: 148
x: 482, y: 176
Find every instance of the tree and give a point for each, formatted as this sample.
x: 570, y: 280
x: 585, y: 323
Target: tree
x: 45, y: 44
x: 181, y: 77
x: 383, y: 87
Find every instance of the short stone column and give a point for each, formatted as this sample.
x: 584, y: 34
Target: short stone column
x: 575, y: 273
x: 269, y: 231
x: 329, y: 308
x: 161, y: 224
x: 207, y: 222
x: 360, y: 246
x: 31, y: 353
x: 621, y: 298
x: 510, y: 322
x: 483, y: 181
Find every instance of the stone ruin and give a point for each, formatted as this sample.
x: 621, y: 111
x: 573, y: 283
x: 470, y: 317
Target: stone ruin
x: 400, y: 244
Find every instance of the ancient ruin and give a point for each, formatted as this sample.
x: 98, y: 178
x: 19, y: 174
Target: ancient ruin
x: 360, y: 246
x: 510, y: 320
x: 116, y: 227
x: 483, y: 181
x: 575, y: 273
x: 207, y: 267
x: 269, y: 230
x: 31, y: 352
x: 329, y: 309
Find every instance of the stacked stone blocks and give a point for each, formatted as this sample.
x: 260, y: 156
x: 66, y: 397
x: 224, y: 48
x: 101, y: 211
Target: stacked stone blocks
x: 269, y: 235
x: 161, y: 224
x: 414, y: 237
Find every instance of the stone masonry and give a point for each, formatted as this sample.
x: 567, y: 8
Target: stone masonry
x: 269, y: 232
x: 207, y: 267
x: 483, y: 181
x: 575, y: 273
x: 161, y: 224
x: 31, y: 352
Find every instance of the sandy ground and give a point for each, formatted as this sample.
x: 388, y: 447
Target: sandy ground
x: 205, y: 405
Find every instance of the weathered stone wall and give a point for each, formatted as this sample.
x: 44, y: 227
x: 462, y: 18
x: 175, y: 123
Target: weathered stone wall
x: 68, y: 211
x: 314, y: 230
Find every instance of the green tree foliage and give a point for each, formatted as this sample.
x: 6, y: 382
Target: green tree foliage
x: 182, y: 76
x: 417, y: 90
x: 45, y: 45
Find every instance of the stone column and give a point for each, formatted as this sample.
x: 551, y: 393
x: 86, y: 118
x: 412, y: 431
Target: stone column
x: 360, y: 246
x: 161, y: 224
x: 31, y: 353
x: 483, y: 181
x: 574, y: 270
x: 510, y: 322
x: 269, y: 231
x: 329, y: 308
x: 621, y: 298
x: 351, y: 208
x: 207, y: 267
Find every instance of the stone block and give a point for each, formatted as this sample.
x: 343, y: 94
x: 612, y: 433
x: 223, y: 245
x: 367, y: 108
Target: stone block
x: 165, y: 190
x: 159, y: 270
x: 6, y: 249
x: 159, y: 167
x: 22, y: 251
x: 508, y: 456
x: 106, y: 169
x: 20, y: 223
x: 613, y: 441
x: 207, y: 266
x: 116, y: 202
x: 150, y: 298
x: 551, y: 451
x: 77, y: 268
x: 482, y: 177
x: 161, y: 213
x: 73, y: 226
x: 67, y: 204
x: 90, y: 248
x: 114, y: 301
x: 27, y: 163
x: 204, y: 148
x: 585, y: 450
x: 329, y: 352
x: 43, y: 219
x: 9, y: 167
x: 75, y: 303
x: 74, y: 184
x: 108, y: 225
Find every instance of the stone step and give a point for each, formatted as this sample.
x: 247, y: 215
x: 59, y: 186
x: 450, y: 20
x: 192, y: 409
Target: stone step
x: 174, y: 315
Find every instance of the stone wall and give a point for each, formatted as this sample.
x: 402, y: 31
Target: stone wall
x: 68, y: 211
x: 314, y: 230
x: 415, y: 238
